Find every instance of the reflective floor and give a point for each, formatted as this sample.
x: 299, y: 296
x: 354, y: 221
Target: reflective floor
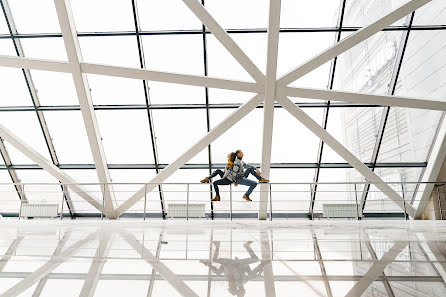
x: 207, y: 258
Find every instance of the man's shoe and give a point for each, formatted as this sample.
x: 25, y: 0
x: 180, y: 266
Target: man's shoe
x: 246, y: 198
x: 263, y: 180
x: 205, y: 180
x: 216, y: 198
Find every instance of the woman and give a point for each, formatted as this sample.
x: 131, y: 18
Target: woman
x: 241, y: 171
x: 226, y: 176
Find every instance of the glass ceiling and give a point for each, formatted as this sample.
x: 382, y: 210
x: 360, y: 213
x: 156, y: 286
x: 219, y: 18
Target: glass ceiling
x: 172, y: 117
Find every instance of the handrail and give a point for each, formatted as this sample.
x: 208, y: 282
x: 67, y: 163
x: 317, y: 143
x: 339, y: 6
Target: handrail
x: 193, y: 183
x: 349, y: 192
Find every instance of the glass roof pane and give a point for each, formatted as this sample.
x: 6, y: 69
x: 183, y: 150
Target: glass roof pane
x: 301, y: 14
x: 291, y: 198
x: 3, y: 26
x: 24, y: 125
x: 84, y: 176
x: 360, y: 13
x: 228, y: 96
x: 433, y: 13
x: 109, y: 90
x: 345, y: 193
x: 9, y: 200
x: 125, y: 191
x: 103, y: 15
x: 423, y: 72
x: 54, y: 88
x: 197, y: 193
x: 164, y: 93
x: 7, y: 47
x: 378, y: 202
x: 233, y: 14
x: 166, y: 15
x: 292, y: 54
x: 15, y: 92
x: 410, y: 132
x: 247, y: 132
x: 222, y: 64
x: 292, y: 141
x: 162, y: 54
x: 176, y: 131
x: 35, y: 16
x: 69, y: 137
x: 126, y: 136
x: 41, y: 193
x: 409, y: 135
x: 368, y: 67
x: 44, y: 48
x: 110, y: 50
x: 356, y: 128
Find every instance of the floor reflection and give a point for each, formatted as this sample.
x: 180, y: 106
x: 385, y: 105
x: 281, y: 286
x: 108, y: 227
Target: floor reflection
x: 236, y: 271
x: 202, y: 258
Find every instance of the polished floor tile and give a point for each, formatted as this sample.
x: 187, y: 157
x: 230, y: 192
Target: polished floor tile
x: 211, y: 258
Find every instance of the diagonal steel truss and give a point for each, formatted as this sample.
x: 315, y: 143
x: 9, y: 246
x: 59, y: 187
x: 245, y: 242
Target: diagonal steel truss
x: 262, y: 87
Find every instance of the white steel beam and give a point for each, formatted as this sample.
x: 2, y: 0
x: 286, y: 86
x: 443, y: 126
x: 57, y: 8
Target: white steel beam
x: 91, y: 281
x: 270, y: 94
x: 46, y: 269
x: 350, y: 41
x: 161, y: 268
x: 176, y: 78
x: 47, y: 165
x: 385, y: 100
x: 376, y: 270
x: 37, y: 64
x: 434, y: 164
x: 225, y: 39
x: 221, y: 128
x: 67, y: 26
x: 130, y: 72
x: 342, y: 151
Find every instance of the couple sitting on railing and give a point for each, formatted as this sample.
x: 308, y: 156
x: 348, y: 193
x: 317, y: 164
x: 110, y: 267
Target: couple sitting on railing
x: 237, y: 172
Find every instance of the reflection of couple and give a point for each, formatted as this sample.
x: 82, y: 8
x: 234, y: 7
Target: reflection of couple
x: 237, y: 271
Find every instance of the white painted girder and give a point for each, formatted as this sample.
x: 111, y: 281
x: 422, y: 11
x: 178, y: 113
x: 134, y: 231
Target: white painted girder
x: 69, y: 33
x: 270, y: 94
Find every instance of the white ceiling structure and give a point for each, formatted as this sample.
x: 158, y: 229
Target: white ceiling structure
x: 267, y: 89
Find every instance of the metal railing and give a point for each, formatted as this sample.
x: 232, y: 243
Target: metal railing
x: 285, y: 200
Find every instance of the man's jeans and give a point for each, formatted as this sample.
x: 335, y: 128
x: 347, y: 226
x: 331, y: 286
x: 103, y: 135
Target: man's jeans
x: 248, y: 182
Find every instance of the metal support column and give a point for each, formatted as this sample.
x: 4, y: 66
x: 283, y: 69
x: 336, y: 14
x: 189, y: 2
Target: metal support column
x: 326, y: 110
x: 391, y: 91
x: 142, y: 63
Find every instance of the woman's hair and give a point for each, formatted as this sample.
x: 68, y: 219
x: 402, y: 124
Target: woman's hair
x: 233, y: 156
x: 237, y: 151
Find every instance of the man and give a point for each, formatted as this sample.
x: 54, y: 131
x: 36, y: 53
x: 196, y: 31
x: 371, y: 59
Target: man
x: 240, y: 173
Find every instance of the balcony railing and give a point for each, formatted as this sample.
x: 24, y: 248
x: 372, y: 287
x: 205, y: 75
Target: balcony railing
x: 285, y: 200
